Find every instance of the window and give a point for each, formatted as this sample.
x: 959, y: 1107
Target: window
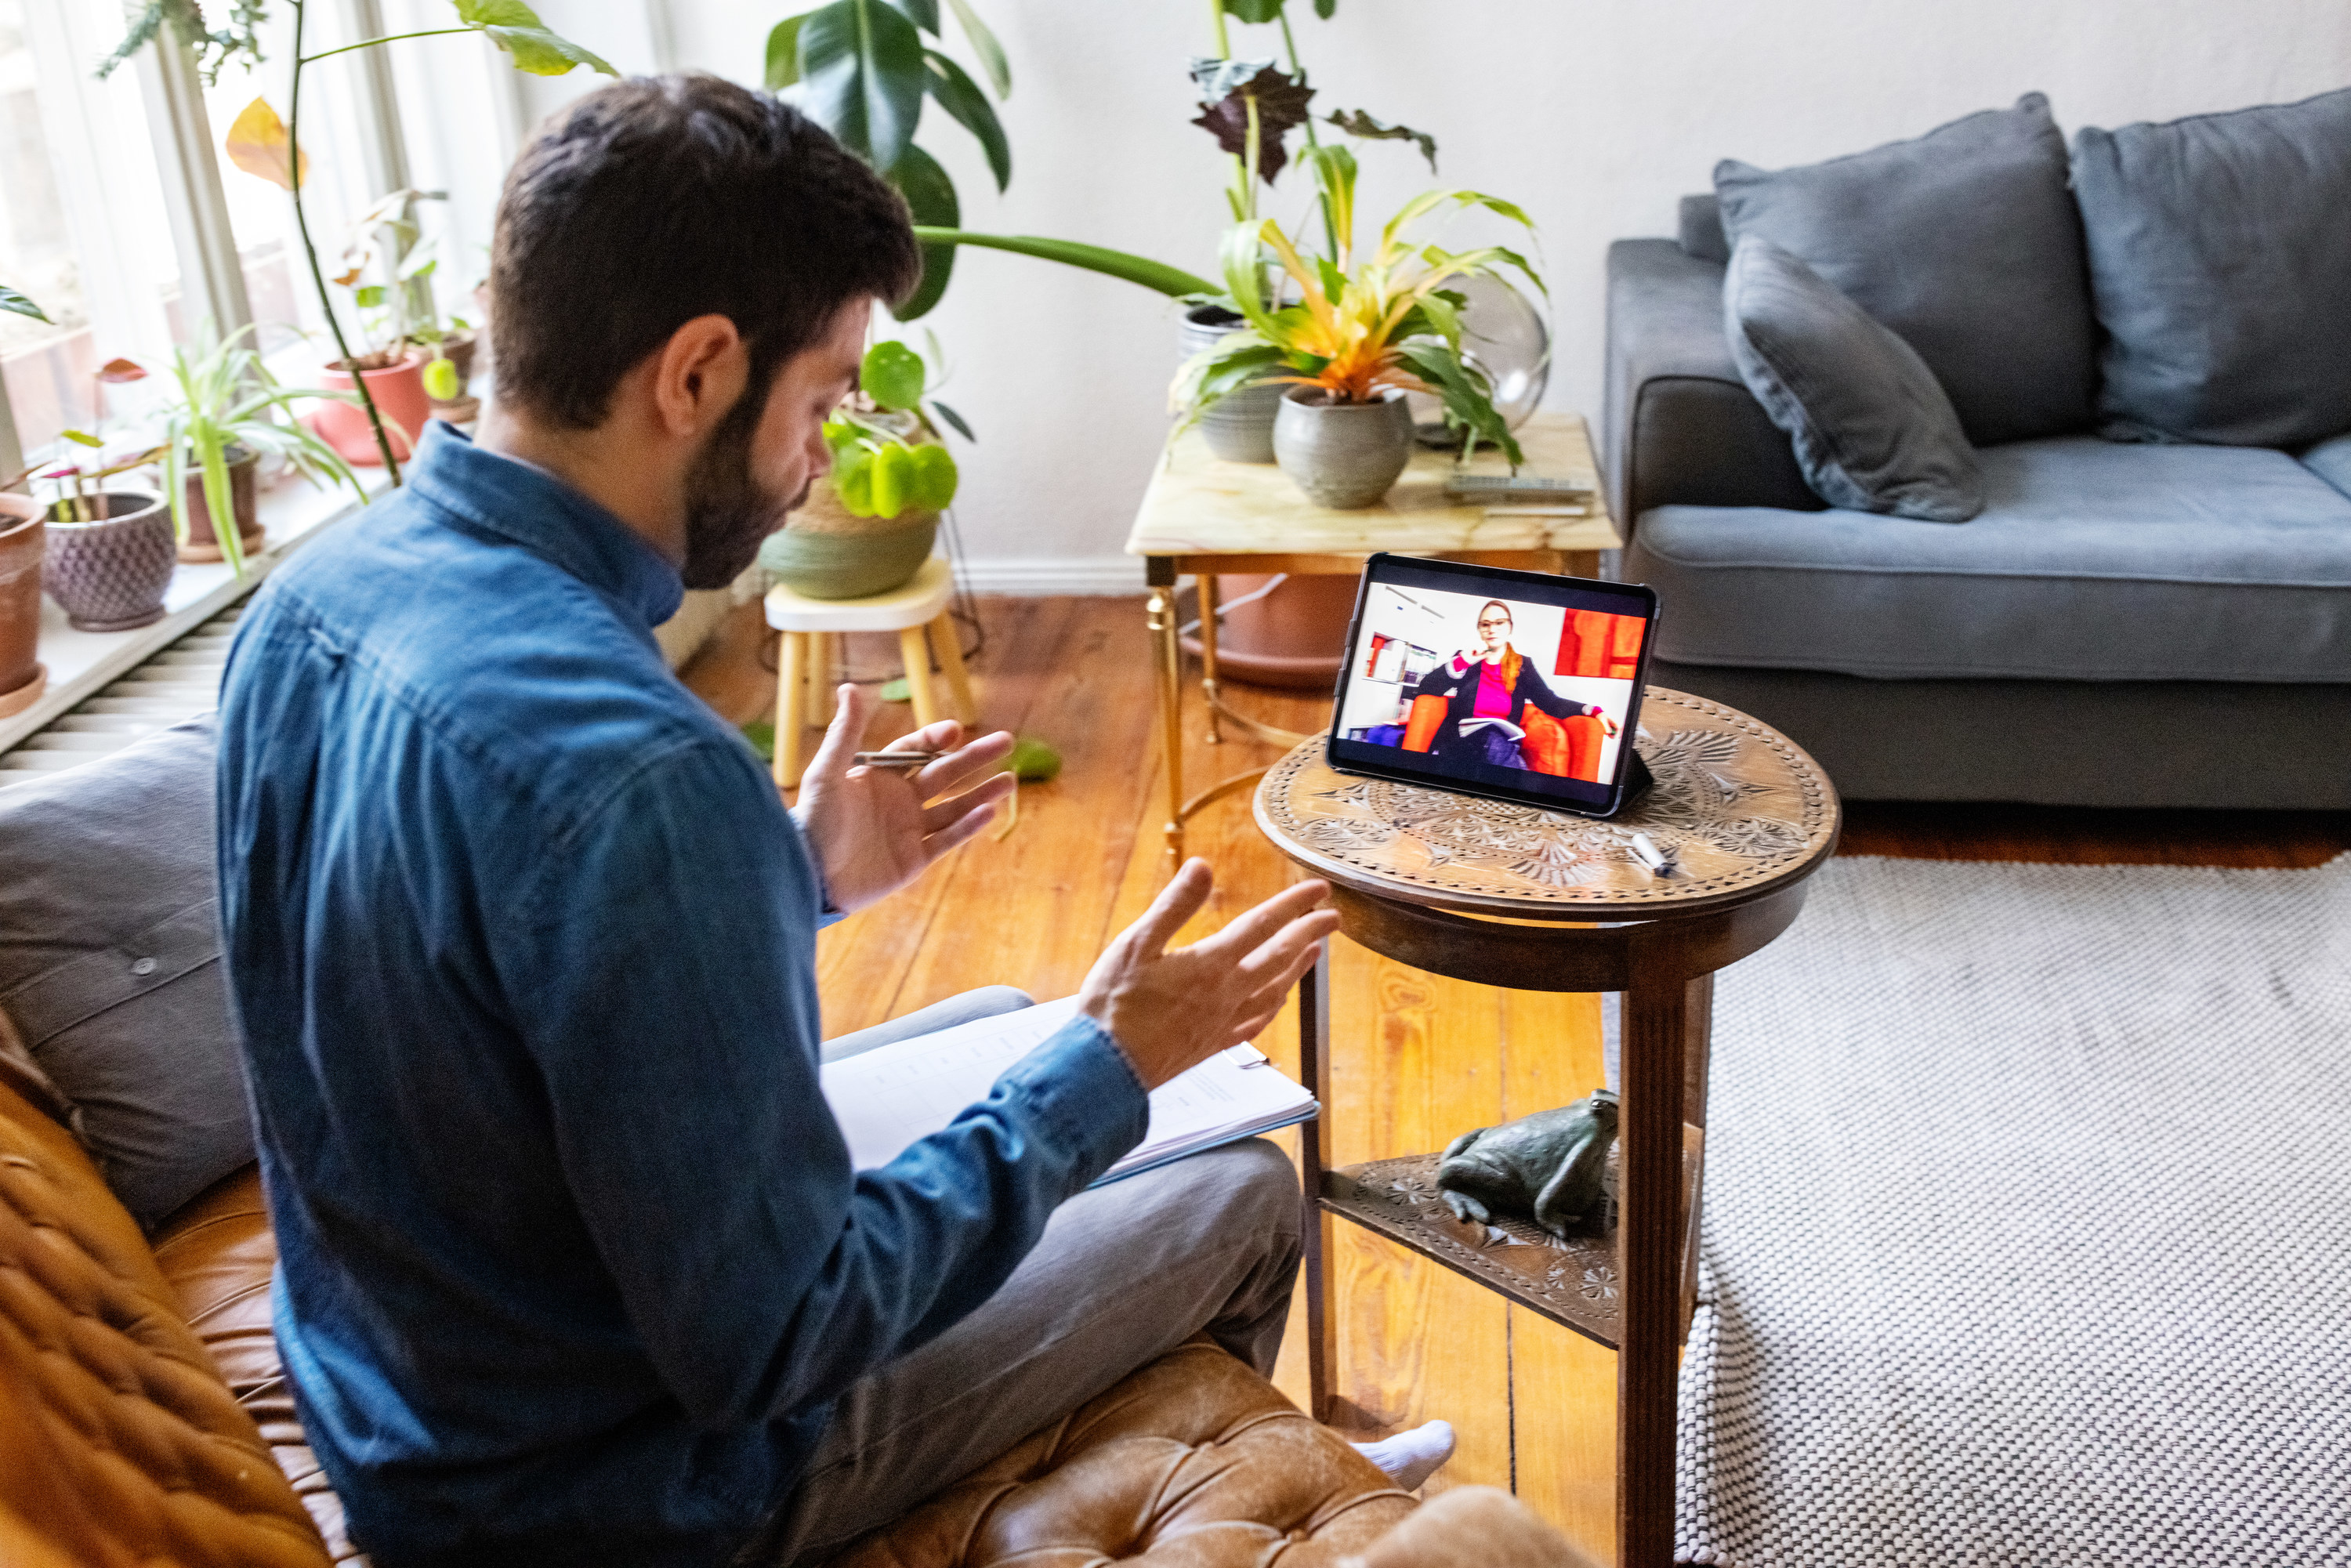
x: 82, y: 227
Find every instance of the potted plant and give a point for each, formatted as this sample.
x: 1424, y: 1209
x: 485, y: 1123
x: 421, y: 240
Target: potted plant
x: 108, y: 554
x: 261, y: 144
x: 23, y: 539
x: 220, y: 421
x: 868, y: 526
x: 1359, y: 338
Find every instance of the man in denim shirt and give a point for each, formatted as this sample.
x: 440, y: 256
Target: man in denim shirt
x: 574, y: 1266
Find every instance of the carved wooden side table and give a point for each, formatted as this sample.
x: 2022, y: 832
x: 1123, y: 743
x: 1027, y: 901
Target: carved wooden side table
x: 1541, y: 901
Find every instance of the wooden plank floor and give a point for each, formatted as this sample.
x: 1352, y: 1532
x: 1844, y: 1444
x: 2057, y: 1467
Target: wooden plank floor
x: 1420, y: 1059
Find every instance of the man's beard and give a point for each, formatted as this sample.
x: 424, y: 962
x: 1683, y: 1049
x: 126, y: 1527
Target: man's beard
x: 727, y: 512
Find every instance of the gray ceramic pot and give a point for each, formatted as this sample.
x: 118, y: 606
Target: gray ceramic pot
x: 1342, y: 454
x: 1238, y: 425
x: 110, y: 575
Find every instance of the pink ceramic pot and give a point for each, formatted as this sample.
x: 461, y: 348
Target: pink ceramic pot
x: 109, y: 574
x: 398, y: 393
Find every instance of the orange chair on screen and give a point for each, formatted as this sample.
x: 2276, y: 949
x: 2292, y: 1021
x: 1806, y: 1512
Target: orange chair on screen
x: 1564, y: 748
x: 1420, y: 730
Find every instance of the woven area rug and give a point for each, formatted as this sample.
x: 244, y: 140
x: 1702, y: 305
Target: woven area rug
x: 2028, y: 1225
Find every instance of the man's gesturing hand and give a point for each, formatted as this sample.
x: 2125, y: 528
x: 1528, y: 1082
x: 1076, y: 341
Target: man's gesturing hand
x: 1171, y: 1010
x: 870, y: 829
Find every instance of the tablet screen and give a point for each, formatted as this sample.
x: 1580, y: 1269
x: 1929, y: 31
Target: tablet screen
x: 1509, y: 683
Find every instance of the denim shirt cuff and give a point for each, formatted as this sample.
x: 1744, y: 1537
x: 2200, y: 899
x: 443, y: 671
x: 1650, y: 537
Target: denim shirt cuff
x: 1086, y: 1093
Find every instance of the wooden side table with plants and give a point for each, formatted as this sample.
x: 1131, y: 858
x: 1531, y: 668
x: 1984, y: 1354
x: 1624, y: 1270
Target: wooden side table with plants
x: 1203, y: 516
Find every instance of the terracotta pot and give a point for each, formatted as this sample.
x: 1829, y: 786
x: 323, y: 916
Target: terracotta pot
x: 1294, y: 639
x: 459, y: 347
x: 399, y: 392
x: 202, y: 544
x: 110, y: 574
x: 23, y: 677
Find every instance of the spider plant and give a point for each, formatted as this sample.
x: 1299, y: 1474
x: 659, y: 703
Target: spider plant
x: 1359, y: 332
x: 225, y: 396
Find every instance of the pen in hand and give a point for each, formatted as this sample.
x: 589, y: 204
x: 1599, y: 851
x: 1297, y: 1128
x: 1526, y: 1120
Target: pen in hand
x: 905, y: 759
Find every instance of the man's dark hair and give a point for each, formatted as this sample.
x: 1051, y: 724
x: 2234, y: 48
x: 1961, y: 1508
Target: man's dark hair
x: 660, y: 199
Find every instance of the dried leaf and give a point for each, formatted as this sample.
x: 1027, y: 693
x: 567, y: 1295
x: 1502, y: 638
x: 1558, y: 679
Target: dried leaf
x: 259, y: 144
x: 116, y: 372
x: 1358, y: 122
x: 1280, y: 107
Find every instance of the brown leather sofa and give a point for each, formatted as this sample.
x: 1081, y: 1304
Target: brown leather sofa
x: 144, y: 1420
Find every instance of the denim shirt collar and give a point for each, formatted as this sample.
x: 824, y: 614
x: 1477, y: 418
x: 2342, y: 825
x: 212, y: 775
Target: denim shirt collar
x: 515, y: 501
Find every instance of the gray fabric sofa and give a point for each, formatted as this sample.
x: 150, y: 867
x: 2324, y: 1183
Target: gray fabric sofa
x: 2123, y: 625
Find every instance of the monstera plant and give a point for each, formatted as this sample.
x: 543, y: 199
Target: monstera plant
x: 863, y: 69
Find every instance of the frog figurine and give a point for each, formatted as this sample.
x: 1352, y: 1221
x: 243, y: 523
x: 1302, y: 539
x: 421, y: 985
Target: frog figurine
x: 1548, y: 1165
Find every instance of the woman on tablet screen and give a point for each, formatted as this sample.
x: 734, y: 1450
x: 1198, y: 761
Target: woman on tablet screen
x: 1473, y: 707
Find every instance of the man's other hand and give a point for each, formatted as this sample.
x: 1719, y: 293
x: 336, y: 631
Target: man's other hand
x: 1169, y: 1012
x: 870, y: 831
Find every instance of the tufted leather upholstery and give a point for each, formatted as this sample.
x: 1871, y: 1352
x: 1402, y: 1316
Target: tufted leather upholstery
x: 120, y: 1444
x: 216, y: 1255
x: 117, y: 1443
x: 1194, y: 1460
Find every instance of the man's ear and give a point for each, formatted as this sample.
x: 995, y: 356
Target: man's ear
x: 699, y: 375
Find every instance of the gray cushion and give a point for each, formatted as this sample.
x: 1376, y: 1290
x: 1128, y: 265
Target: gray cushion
x: 2090, y: 561
x: 2331, y: 461
x: 2221, y: 261
x: 110, y: 963
x: 1965, y: 242
x: 1872, y: 429
x: 1702, y: 229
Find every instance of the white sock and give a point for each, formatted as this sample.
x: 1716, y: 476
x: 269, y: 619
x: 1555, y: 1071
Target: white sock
x: 1409, y: 1459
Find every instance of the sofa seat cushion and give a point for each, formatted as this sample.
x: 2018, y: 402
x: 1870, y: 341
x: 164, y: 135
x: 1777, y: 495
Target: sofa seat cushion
x: 117, y: 1443
x: 1194, y: 1460
x: 2090, y: 561
x: 216, y: 1255
x: 1195, y: 1457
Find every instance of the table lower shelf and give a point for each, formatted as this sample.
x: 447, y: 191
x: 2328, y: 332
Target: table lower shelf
x: 1572, y: 1282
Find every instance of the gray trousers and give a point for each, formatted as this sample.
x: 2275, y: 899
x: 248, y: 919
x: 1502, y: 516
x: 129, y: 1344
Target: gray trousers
x: 1123, y: 1274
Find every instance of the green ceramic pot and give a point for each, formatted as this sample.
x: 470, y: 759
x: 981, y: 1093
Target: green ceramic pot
x: 876, y: 559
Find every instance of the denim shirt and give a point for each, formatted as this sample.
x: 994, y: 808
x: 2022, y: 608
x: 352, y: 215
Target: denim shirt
x: 572, y: 1260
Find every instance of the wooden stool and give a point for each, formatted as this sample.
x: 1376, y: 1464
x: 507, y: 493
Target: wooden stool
x: 1540, y: 901
x: 804, y: 670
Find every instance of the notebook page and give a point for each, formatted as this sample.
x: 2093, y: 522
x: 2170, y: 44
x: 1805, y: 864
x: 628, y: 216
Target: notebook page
x: 888, y: 1097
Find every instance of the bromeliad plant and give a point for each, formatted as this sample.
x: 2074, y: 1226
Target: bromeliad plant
x: 224, y: 396
x: 876, y: 471
x: 1359, y: 332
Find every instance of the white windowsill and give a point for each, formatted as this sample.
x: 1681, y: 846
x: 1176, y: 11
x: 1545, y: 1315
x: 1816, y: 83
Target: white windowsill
x: 82, y: 663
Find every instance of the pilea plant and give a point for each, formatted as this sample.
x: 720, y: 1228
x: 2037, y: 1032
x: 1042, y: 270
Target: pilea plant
x: 876, y: 471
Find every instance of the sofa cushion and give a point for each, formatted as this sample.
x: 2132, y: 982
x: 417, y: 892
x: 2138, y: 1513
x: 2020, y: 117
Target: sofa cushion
x: 1966, y: 242
x: 110, y: 963
x: 2090, y: 561
x: 2331, y: 461
x: 1872, y: 429
x: 1195, y: 1459
x: 2221, y: 263
x: 117, y: 1443
x: 1700, y: 228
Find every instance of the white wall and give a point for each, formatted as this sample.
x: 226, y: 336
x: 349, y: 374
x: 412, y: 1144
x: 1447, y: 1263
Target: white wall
x: 1594, y: 117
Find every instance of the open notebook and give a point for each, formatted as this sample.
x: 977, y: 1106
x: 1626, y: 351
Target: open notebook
x: 887, y: 1097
